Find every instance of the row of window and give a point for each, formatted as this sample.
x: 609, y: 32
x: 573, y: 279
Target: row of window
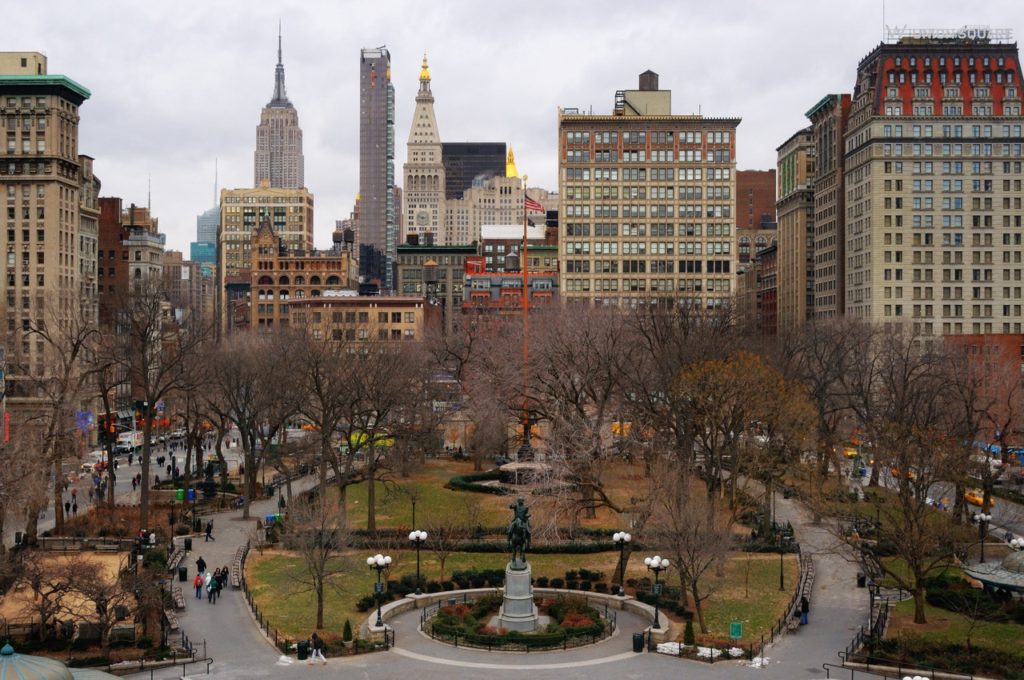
x: 642, y: 192
x: 655, y: 285
x: 656, y: 156
x: 889, y: 149
x: 646, y: 174
x: 601, y: 137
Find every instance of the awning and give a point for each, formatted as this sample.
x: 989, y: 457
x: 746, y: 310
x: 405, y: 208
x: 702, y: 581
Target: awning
x: 125, y: 415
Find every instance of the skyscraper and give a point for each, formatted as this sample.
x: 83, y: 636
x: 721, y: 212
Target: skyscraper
x: 378, y: 221
x: 278, y: 157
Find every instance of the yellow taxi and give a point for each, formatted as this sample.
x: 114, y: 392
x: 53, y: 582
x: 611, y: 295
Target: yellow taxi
x: 977, y: 497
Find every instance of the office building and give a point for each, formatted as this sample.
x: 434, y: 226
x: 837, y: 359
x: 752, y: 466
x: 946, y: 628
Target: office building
x: 646, y: 202
x: 378, y: 212
x: 423, y: 172
x: 278, y: 158
x: 933, y: 172
x: 828, y: 128
x: 48, y: 222
x: 345, y: 316
x: 756, y: 228
x: 466, y: 162
x: 795, y: 212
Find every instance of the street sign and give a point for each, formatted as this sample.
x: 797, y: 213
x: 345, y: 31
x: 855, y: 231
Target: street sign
x: 735, y: 630
x: 378, y: 587
x: 657, y: 588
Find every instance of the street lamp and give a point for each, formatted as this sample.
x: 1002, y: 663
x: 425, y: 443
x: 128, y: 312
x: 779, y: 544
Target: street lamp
x: 378, y: 563
x: 621, y: 539
x: 983, y: 520
x: 657, y: 564
x: 418, y: 537
x: 1017, y: 543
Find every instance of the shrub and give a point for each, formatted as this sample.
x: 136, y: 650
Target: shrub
x: 572, y: 575
x: 688, y: 637
x: 572, y: 585
x: 542, y: 581
x: 470, y: 483
x: 557, y: 583
x: 433, y: 587
x: 601, y: 587
x: 586, y: 585
x: 144, y: 643
x: 346, y: 633
x: 448, y: 585
x: 366, y: 603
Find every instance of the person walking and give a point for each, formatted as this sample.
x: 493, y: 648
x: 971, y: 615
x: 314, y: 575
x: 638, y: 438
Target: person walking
x: 92, y: 492
x: 317, y: 644
x: 74, y: 508
x: 200, y: 564
x: 209, y: 531
x: 135, y: 484
x: 805, y: 608
x: 130, y: 456
x: 198, y: 584
x: 209, y: 589
x: 67, y: 508
x: 74, y: 495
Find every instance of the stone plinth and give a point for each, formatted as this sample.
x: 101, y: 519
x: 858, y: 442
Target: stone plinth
x: 518, y: 612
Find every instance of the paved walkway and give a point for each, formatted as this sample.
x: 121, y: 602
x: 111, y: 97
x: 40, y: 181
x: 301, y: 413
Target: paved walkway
x: 240, y: 650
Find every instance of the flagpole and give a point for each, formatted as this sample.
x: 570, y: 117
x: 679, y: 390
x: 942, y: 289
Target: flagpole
x: 524, y: 267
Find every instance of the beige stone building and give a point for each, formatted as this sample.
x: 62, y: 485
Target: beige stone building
x: 242, y: 210
x: 933, y: 187
x: 795, y: 211
x: 646, y: 202
x: 47, y: 233
x: 348, y: 317
x: 828, y: 124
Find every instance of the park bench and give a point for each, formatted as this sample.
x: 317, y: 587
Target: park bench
x: 179, y: 599
x: 175, y: 559
x: 172, y: 619
x: 107, y: 547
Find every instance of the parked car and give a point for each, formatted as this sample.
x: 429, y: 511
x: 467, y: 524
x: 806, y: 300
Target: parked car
x: 977, y: 497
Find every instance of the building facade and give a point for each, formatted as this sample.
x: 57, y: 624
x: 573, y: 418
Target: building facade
x: 290, y: 212
x: 424, y: 172
x: 502, y: 292
x: 933, y: 171
x: 204, y: 248
x: 466, y: 162
x: 828, y: 123
x: 344, y: 316
x: 378, y: 212
x: 278, y: 158
x: 646, y: 202
x: 280, y: 277
x: 795, y: 210
x: 756, y: 228
x: 42, y: 180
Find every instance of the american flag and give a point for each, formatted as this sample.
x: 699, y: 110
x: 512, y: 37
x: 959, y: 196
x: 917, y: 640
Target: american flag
x: 532, y: 205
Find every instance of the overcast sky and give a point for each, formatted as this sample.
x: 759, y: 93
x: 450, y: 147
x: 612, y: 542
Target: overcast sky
x: 176, y: 85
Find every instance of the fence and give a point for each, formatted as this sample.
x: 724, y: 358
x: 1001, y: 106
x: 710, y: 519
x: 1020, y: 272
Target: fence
x: 888, y: 667
x: 284, y: 642
x: 502, y: 643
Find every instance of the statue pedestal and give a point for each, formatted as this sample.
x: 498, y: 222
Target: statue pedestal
x: 518, y: 612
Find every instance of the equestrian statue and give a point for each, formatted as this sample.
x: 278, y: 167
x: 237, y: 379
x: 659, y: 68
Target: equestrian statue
x: 519, y: 530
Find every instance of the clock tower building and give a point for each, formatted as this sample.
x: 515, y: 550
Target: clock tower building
x: 424, y: 190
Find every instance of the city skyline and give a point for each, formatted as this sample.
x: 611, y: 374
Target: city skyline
x: 495, y: 82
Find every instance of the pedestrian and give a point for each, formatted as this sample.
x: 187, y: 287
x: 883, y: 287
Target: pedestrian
x: 135, y: 484
x: 209, y: 530
x: 200, y: 564
x: 74, y: 509
x: 67, y: 508
x: 115, y: 463
x: 317, y: 644
x: 74, y: 494
x: 209, y: 589
x: 223, y: 576
x: 805, y: 608
x: 92, y: 492
x: 130, y: 456
x: 198, y: 584
x: 168, y: 468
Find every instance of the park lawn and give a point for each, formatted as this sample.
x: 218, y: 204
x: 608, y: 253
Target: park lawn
x: 949, y: 627
x: 757, y: 603
x: 290, y: 606
x: 394, y: 504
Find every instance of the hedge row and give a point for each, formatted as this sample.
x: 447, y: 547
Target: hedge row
x: 470, y: 483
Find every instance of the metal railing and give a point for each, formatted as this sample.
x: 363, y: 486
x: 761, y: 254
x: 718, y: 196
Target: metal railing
x: 886, y: 667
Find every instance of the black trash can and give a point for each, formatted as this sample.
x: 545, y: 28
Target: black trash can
x: 182, y: 573
x: 638, y: 642
x: 303, y: 647
x: 862, y: 580
x: 188, y: 543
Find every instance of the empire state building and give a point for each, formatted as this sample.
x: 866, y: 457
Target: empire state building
x: 278, y: 158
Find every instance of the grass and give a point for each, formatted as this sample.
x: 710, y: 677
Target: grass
x: 394, y: 498
x: 290, y: 606
x: 946, y: 626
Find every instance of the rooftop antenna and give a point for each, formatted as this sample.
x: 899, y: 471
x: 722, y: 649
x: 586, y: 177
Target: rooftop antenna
x: 149, y: 193
x: 883, y: 20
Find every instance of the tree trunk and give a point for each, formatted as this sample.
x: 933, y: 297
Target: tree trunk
x: 58, y: 499
x: 875, y: 470
x: 697, y: 607
x: 146, y: 453
x: 919, y: 616
x: 342, y: 500
x: 371, y: 490
x: 32, y: 523
x: 319, y: 605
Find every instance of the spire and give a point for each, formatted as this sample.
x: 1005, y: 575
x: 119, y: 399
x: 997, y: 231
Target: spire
x: 425, y: 71
x: 510, y: 164
x: 280, y: 96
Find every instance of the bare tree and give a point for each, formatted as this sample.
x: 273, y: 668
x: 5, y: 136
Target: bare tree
x: 446, y: 531
x: 153, y: 352
x: 45, y: 578
x: 108, y: 595
x: 692, y: 531
x: 314, y: 531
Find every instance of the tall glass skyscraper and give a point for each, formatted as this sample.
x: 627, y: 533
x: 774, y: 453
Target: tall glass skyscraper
x: 378, y: 218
